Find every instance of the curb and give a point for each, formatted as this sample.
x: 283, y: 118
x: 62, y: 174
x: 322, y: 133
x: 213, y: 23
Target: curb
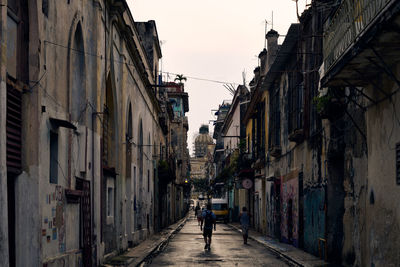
x: 164, y: 242
x: 283, y: 256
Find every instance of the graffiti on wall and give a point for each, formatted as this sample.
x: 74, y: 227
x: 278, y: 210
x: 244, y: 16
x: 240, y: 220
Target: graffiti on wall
x: 269, y: 206
x: 273, y: 209
x: 290, y: 209
x: 53, y: 224
x: 314, y: 218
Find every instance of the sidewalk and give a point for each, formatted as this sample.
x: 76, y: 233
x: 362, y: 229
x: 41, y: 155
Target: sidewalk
x: 289, y: 253
x: 148, y: 248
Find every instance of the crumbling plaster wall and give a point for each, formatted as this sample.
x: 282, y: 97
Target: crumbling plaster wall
x: 382, y: 220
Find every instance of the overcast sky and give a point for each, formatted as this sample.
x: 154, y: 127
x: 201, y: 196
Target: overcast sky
x: 214, y: 40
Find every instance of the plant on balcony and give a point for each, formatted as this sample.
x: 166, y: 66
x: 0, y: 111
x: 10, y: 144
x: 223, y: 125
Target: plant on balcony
x: 321, y: 102
x: 330, y: 106
x: 242, y: 145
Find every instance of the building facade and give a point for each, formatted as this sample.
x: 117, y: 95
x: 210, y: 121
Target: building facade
x: 83, y: 135
x: 319, y: 169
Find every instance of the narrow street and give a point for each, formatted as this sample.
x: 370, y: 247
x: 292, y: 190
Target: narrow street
x: 120, y: 119
x: 227, y: 249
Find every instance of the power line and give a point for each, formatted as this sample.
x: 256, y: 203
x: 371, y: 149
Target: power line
x: 130, y: 64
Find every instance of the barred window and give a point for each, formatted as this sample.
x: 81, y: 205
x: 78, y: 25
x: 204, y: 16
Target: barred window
x: 295, y: 95
x: 275, y: 119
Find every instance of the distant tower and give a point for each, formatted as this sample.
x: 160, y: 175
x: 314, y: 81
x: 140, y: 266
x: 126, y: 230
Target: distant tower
x: 202, y: 141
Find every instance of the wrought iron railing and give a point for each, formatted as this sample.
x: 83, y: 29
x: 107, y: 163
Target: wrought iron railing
x: 348, y: 23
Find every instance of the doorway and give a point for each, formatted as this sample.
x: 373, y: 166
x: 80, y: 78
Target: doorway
x: 11, y: 218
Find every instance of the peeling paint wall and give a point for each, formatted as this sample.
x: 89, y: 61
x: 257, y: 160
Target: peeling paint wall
x: 382, y: 218
x: 314, y: 220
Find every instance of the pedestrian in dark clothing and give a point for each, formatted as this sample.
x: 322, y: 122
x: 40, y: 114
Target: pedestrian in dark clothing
x: 197, y: 213
x: 245, y: 223
x: 209, y: 219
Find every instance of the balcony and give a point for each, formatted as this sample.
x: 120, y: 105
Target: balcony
x: 358, y: 31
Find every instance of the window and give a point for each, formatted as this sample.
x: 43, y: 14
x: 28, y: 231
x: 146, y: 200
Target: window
x: 53, y: 157
x: 45, y: 7
x: 17, y: 40
x: 275, y: 120
x: 260, y: 130
x: 110, y: 201
x: 12, y: 45
x: 148, y: 181
x: 219, y: 206
x: 134, y: 180
x: 78, y: 75
x: 295, y: 97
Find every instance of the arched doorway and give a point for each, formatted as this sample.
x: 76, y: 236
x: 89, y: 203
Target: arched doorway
x: 109, y: 172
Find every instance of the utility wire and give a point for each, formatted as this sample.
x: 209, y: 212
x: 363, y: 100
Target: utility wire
x: 172, y: 73
x: 130, y: 64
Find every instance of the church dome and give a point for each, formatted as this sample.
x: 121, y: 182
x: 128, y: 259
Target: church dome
x: 202, y: 141
x: 204, y: 138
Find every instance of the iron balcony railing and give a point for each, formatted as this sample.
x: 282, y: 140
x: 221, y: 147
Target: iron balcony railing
x: 349, y: 22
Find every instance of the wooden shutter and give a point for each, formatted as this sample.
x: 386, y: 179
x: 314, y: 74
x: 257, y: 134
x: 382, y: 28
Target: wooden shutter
x: 13, y: 129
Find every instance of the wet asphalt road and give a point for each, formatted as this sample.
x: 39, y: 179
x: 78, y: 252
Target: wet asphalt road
x: 227, y: 249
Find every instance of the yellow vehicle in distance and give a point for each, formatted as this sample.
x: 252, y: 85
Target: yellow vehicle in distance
x: 220, y: 208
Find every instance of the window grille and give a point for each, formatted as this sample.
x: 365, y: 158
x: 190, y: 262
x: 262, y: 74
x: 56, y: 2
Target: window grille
x: 295, y: 95
x: 275, y: 121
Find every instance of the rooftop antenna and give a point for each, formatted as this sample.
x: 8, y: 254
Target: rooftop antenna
x: 272, y: 27
x: 265, y: 34
x: 272, y: 20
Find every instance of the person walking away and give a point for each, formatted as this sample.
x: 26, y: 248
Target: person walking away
x: 209, y: 219
x: 245, y: 223
x: 197, y: 213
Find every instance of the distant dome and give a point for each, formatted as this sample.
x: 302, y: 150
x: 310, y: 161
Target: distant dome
x: 204, y: 138
x: 203, y: 129
x: 202, y: 141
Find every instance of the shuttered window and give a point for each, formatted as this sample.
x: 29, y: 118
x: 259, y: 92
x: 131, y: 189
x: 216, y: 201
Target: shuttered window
x: 13, y: 125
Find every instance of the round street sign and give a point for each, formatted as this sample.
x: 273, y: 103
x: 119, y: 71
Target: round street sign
x: 247, y: 183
